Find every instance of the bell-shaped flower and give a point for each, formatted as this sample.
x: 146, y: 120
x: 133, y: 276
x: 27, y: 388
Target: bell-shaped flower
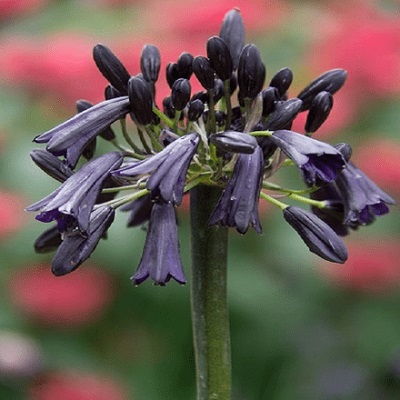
x: 76, y: 248
x: 161, y: 259
x: 238, y: 204
x: 167, y: 169
x: 362, y: 198
x: 318, y: 161
x: 70, y: 138
x: 316, y: 234
x: 74, y: 199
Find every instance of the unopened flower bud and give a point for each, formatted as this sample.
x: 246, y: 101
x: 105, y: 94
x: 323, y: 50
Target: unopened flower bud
x: 180, y: 94
x: 141, y: 100
x: 330, y: 81
x: 320, y: 238
x: 220, y: 57
x: 320, y: 108
x: 233, y: 33
x: 270, y: 95
x: 218, y: 90
x: 251, y: 72
x: 111, y: 93
x: 282, y: 80
x: 196, y: 109
x: 234, y: 142
x: 111, y: 68
x: 285, y: 112
x: 184, y: 65
x: 172, y: 74
x: 51, y: 165
x: 150, y: 62
x: 168, y: 107
x: 220, y: 117
x: 48, y: 241
x: 204, y: 72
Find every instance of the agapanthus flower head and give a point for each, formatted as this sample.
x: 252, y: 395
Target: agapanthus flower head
x: 199, y: 139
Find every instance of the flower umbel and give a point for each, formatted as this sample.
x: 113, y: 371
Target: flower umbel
x: 233, y: 135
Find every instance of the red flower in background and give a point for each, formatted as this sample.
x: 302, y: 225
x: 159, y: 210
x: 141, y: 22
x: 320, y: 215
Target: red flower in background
x: 74, y: 300
x: 77, y: 385
x: 380, y: 160
x: 366, y: 43
x: 198, y: 17
x: 372, y: 266
x: 13, y: 8
x: 12, y: 216
x: 62, y: 65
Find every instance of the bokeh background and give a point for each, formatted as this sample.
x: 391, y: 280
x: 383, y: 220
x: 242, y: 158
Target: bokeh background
x: 301, y: 329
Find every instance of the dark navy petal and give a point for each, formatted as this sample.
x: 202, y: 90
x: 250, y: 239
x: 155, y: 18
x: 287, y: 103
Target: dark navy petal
x: 316, y: 234
x: 76, y: 248
x: 139, y: 210
x: 168, y: 168
x: 234, y: 142
x: 71, y: 137
x: 77, y: 195
x: 238, y: 205
x: 161, y: 259
x: 51, y: 165
x: 318, y: 161
x: 362, y: 198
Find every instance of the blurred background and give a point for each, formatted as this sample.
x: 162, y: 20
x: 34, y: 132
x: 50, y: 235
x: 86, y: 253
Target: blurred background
x: 301, y: 329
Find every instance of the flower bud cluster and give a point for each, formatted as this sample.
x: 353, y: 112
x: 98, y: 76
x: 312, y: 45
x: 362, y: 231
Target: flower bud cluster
x: 235, y: 134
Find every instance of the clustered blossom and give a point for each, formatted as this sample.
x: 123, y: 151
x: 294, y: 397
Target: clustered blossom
x: 234, y: 134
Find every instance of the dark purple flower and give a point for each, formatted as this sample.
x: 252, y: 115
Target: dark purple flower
x: 251, y: 72
x: 233, y: 33
x: 70, y: 138
x: 282, y: 80
x: 76, y: 248
x: 330, y: 81
x: 111, y: 67
x: 150, y: 62
x: 317, y: 161
x: 333, y: 214
x: 168, y: 169
x: 234, y: 142
x: 362, y: 198
x: 48, y: 241
x: 161, y: 259
x: 316, y: 234
x: 139, y: 210
x: 51, y: 165
x: 75, y: 198
x: 238, y: 205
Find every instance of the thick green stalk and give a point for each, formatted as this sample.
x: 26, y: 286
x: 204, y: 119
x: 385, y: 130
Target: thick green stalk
x: 210, y: 318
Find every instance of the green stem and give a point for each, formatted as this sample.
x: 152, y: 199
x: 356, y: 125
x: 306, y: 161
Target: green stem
x: 210, y: 318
